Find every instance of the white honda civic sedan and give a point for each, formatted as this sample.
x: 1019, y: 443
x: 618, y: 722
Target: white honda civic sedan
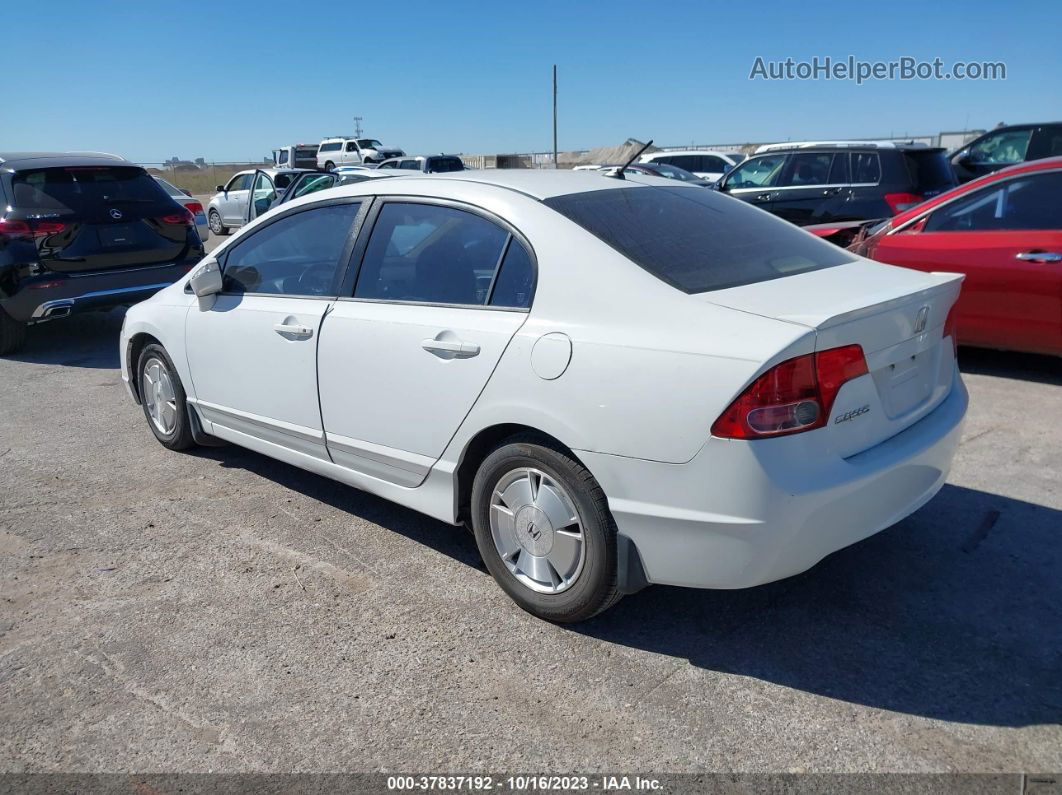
x: 614, y: 382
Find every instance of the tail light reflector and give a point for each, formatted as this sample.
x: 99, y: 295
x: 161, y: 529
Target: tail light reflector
x: 898, y: 202
x: 951, y: 327
x: 194, y: 208
x: 794, y: 396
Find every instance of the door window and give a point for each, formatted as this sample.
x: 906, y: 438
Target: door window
x: 388, y: 164
x: 1005, y: 146
x: 866, y: 168
x: 807, y: 168
x: 352, y: 146
x: 758, y: 172
x: 240, y: 182
x: 412, y: 164
x: 296, y: 255
x: 313, y: 183
x: 432, y: 254
x: 1023, y: 203
x: 713, y: 164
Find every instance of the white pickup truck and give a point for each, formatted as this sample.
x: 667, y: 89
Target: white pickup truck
x: 343, y: 151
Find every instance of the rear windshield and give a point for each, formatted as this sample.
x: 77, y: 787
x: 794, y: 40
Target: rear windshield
x: 440, y: 165
x: 930, y: 172
x: 75, y: 189
x: 697, y: 239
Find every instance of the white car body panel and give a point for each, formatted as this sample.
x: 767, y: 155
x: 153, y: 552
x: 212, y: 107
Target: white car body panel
x: 623, y: 369
x: 711, y: 176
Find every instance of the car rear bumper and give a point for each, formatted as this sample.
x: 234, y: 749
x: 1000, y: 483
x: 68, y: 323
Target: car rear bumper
x: 743, y: 513
x: 63, y: 295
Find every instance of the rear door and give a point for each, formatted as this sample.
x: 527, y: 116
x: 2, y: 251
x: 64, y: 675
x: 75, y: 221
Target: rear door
x: 440, y: 292
x: 252, y: 351
x: 91, y: 218
x: 1007, y: 239
x: 807, y: 187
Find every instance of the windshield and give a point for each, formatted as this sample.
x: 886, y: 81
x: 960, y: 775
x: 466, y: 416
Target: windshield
x: 369, y: 143
x: 76, y: 189
x: 697, y: 240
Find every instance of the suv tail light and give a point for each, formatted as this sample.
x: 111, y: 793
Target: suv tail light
x: 951, y: 327
x: 30, y: 229
x: 898, y: 202
x: 794, y: 396
x: 183, y: 217
x: 194, y: 208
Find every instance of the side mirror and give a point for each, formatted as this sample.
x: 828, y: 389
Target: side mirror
x: 220, y: 189
x: 206, y: 281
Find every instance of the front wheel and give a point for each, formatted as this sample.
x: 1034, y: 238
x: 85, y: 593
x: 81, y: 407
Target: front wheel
x: 543, y: 527
x: 163, y: 399
x: 214, y: 220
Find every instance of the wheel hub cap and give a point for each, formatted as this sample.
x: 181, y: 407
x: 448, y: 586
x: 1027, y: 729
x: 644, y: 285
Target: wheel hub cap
x: 537, y: 530
x: 159, y: 397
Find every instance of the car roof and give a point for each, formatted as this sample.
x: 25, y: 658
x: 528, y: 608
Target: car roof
x: 19, y: 160
x: 666, y: 152
x: 845, y: 145
x: 536, y: 183
x: 1032, y: 166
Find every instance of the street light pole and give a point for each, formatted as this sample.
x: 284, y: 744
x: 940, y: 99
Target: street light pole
x: 555, y: 163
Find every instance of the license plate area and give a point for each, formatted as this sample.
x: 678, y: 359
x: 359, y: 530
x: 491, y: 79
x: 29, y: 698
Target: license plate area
x: 117, y: 235
x: 907, y: 383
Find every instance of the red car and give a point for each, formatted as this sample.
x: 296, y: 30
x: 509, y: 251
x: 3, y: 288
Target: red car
x: 1004, y: 231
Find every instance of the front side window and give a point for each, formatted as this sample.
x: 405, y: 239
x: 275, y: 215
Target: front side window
x: 1022, y: 203
x: 1006, y: 146
x: 388, y: 164
x: 296, y: 255
x: 807, y: 168
x: 352, y: 146
x: 759, y: 172
x: 240, y: 182
x: 282, y: 157
x: 431, y: 254
x: 694, y: 239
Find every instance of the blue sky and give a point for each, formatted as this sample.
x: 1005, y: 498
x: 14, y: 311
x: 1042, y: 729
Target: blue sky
x: 230, y: 80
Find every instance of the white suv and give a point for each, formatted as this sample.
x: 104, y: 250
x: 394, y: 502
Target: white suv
x: 704, y: 163
x: 344, y: 151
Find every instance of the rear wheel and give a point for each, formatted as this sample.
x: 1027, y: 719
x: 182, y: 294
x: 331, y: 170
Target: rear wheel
x: 544, y: 530
x: 12, y: 333
x: 163, y: 399
x: 214, y: 219
x: 329, y: 166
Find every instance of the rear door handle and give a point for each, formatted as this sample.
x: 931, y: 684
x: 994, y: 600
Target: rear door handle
x: 460, y: 350
x: 1039, y: 256
x: 762, y: 197
x: 831, y: 191
x: 293, y: 329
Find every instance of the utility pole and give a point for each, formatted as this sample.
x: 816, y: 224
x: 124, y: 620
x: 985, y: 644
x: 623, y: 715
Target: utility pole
x: 555, y: 163
x: 357, y: 126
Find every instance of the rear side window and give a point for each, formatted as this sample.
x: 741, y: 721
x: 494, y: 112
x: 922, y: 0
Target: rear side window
x: 930, y: 172
x: 695, y: 239
x: 431, y: 254
x: 332, y: 147
x: 807, y: 168
x: 77, y: 189
x: 442, y: 165
x: 296, y: 255
x: 516, y: 279
x: 866, y: 168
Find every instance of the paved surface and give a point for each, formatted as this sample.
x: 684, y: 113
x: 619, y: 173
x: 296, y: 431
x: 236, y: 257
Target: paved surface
x: 220, y: 611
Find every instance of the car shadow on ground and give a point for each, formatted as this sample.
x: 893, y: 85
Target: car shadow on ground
x: 1007, y: 364
x: 953, y: 614
x: 83, y: 340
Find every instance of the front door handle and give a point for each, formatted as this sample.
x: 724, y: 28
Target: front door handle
x: 1039, y: 256
x: 455, y: 348
x: 831, y: 191
x: 762, y: 197
x: 293, y: 330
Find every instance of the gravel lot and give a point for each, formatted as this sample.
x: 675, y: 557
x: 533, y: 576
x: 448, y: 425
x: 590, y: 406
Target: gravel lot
x: 221, y: 611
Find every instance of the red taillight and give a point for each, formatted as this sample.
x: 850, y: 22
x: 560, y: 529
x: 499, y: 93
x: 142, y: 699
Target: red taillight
x: 183, y: 217
x: 194, y: 208
x: 794, y: 396
x: 898, y: 202
x: 30, y: 229
x: 951, y: 327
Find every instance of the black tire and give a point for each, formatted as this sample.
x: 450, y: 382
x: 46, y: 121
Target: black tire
x: 214, y: 221
x: 180, y: 436
x: 12, y: 334
x: 594, y: 588
x: 329, y: 166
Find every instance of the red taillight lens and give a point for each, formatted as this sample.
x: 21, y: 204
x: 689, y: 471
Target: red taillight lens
x: 951, y: 327
x: 30, y: 229
x: 183, y: 217
x: 898, y: 202
x: 794, y: 396
x: 194, y: 208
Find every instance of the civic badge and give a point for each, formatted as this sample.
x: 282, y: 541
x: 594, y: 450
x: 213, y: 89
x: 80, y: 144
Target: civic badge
x: 921, y: 319
x: 116, y: 214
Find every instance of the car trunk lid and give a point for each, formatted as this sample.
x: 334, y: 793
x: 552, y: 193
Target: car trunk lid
x: 895, y: 315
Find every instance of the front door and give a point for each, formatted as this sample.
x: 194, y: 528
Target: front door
x: 252, y: 353
x: 754, y: 180
x: 234, y: 200
x: 439, y: 294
